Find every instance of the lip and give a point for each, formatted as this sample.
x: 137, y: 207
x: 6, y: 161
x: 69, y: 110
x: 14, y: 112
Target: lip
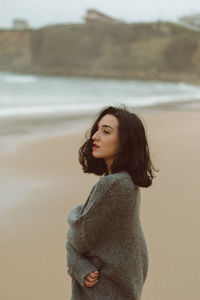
x: 95, y: 146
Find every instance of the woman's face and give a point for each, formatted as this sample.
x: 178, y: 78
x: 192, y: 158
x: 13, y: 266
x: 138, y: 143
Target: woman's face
x: 105, y: 139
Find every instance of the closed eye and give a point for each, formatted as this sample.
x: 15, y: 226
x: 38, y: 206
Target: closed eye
x: 107, y: 132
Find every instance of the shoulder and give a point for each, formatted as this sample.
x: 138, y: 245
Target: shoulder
x: 118, y: 186
x: 118, y: 181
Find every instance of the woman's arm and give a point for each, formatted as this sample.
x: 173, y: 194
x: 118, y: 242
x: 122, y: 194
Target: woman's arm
x: 78, y: 265
x: 108, y: 199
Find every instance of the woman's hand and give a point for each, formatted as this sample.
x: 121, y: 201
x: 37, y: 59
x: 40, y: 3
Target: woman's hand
x: 91, y: 279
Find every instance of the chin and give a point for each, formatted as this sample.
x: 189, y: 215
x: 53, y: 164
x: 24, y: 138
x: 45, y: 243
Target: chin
x: 95, y: 155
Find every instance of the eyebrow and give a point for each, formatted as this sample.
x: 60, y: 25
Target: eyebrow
x: 106, y: 126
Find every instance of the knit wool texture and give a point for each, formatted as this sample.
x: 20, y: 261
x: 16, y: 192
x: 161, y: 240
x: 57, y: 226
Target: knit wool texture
x: 105, y: 234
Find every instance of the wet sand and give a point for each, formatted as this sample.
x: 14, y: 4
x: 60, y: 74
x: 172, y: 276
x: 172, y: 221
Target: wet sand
x: 42, y: 181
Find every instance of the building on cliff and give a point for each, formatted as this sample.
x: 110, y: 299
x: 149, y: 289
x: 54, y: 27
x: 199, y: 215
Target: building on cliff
x: 93, y: 15
x: 20, y: 24
x: 191, y: 21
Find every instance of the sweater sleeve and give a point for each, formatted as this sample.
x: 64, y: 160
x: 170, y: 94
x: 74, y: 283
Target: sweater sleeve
x: 106, y: 202
x: 78, y: 265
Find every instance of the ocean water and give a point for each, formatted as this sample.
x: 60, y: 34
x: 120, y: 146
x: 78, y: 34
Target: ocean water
x: 39, y: 105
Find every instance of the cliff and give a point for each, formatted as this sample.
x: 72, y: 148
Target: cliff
x: 154, y: 51
x: 15, y: 51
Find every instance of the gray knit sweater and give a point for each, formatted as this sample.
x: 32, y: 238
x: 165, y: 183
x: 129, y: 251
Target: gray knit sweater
x: 105, y: 234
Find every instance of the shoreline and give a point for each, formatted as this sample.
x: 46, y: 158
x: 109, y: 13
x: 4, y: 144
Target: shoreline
x: 65, y: 125
x: 191, y: 79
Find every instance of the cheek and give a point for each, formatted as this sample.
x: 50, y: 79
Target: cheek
x: 117, y: 145
x: 113, y: 145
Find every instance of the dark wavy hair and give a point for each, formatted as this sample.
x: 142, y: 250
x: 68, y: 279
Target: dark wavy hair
x: 133, y: 155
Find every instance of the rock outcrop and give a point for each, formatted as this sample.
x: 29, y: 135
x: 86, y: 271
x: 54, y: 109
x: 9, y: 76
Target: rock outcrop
x: 154, y: 51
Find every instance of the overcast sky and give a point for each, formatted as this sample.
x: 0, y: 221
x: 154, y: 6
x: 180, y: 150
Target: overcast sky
x: 44, y: 12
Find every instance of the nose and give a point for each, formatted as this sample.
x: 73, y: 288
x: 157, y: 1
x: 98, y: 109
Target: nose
x: 95, y: 136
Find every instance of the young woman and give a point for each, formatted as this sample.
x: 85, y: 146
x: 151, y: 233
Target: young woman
x: 107, y: 255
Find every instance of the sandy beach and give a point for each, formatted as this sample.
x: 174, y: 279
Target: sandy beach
x: 42, y: 181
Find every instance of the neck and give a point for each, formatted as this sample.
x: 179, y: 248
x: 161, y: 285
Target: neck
x: 108, y: 163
